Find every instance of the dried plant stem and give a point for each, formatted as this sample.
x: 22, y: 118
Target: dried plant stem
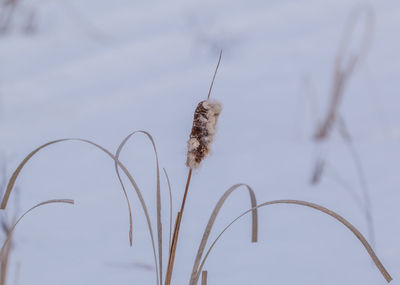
x: 186, y: 191
x: 335, y: 175
x: 215, y: 74
x: 345, y: 134
x: 204, y: 277
x: 172, y: 251
x: 4, y: 262
x: 213, y: 217
x: 158, y: 200
x: 11, y: 231
x: 170, y: 207
x: 203, y: 130
x: 175, y: 237
x: 320, y: 208
x: 345, y: 65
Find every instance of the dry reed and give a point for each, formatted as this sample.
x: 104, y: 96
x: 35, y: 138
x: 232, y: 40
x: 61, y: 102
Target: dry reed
x: 201, y: 136
x: 197, y: 269
x: 346, y: 64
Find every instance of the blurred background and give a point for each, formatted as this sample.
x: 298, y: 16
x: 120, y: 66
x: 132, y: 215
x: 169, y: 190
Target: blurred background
x: 99, y: 70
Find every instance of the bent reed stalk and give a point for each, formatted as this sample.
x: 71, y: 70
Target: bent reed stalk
x: 198, y: 267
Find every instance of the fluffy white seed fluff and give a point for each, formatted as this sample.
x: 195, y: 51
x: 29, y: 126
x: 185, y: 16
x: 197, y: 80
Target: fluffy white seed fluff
x: 203, y: 132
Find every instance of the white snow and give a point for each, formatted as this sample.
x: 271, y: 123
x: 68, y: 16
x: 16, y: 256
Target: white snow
x: 101, y: 69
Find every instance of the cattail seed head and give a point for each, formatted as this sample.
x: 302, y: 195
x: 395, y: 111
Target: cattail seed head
x: 203, y: 131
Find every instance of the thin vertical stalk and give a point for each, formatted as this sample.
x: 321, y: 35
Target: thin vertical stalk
x: 186, y: 190
x: 204, y: 277
x: 170, y: 207
x: 215, y: 74
x: 178, y: 221
x: 4, y: 263
x: 172, y: 252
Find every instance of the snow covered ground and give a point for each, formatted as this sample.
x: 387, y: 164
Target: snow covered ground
x: 101, y: 69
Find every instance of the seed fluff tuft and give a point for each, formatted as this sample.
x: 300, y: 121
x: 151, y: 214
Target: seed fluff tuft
x: 203, y: 132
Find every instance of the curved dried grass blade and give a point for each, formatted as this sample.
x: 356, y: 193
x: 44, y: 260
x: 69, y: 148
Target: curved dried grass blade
x: 65, y: 201
x: 170, y: 207
x: 158, y: 193
x: 16, y: 173
x: 254, y: 233
x: 14, y: 176
x: 320, y: 208
x: 11, y: 184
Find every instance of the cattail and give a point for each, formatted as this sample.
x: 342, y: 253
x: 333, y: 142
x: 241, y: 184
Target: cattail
x: 202, y: 134
x: 203, y: 131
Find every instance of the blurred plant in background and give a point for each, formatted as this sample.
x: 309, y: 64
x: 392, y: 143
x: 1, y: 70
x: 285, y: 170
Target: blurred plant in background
x: 17, y: 16
x: 6, y: 222
x: 350, y: 54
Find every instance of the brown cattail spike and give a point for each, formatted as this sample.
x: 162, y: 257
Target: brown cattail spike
x: 203, y: 131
